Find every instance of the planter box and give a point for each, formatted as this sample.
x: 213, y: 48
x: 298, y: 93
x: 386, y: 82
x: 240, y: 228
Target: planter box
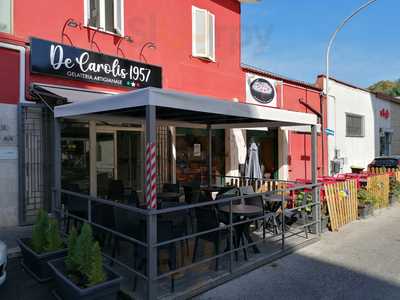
x: 36, y: 264
x: 365, y: 211
x: 356, y: 170
x: 67, y: 290
x: 392, y: 200
x: 324, y: 224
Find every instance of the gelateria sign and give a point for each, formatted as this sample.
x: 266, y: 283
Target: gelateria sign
x: 60, y: 60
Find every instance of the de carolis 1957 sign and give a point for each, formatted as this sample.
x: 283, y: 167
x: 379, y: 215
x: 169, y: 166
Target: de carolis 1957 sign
x: 56, y: 59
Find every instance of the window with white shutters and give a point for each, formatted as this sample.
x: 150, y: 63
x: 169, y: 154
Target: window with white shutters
x: 106, y: 15
x: 203, y: 34
x: 5, y: 16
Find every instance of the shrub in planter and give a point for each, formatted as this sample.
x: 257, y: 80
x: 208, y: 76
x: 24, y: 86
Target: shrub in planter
x: 45, y: 244
x: 366, y: 202
x: 356, y: 169
x: 305, y: 213
x: 82, y: 274
x: 395, y: 191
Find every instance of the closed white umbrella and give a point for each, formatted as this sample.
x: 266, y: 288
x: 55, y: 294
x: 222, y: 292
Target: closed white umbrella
x: 253, y: 169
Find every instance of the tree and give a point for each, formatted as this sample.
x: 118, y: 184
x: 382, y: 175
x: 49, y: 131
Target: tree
x: 391, y: 88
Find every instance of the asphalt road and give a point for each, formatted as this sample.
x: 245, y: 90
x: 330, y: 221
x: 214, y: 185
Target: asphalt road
x: 361, y: 261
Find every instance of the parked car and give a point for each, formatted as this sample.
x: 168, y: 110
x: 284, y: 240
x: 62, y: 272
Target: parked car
x: 392, y: 161
x: 3, y: 262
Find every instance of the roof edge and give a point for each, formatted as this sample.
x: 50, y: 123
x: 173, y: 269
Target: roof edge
x: 379, y: 95
x: 280, y: 77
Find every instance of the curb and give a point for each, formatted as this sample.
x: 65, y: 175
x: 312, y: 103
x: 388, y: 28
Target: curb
x: 14, y: 252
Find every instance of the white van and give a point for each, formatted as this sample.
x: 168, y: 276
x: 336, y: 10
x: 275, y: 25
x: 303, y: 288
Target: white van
x: 3, y: 262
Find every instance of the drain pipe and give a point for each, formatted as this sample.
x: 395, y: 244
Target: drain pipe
x: 320, y: 115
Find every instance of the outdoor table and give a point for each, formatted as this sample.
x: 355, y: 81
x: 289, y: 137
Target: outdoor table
x: 244, y: 210
x: 213, y: 191
x: 271, y: 201
x: 169, y: 196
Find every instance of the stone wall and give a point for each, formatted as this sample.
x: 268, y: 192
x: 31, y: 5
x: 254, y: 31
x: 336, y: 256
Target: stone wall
x: 8, y: 165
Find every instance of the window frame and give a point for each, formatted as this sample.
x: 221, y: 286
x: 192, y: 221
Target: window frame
x: 362, y: 134
x: 102, y: 17
x: 206, y: 55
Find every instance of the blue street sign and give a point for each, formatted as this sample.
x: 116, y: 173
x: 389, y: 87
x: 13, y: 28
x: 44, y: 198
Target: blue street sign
x: 329, y: 131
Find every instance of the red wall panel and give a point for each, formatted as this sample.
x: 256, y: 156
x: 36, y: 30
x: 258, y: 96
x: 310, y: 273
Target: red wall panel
x: 9, y: 76
x: 167, y: 23
x: 300, y: 143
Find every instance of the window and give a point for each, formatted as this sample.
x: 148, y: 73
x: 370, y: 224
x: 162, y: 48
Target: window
x: 5, y: 16
x: 354, y: 125
x: 203, y: 34
x: 106, y: 15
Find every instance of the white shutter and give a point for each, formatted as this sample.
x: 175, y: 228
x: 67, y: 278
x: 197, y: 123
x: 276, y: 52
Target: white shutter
x: 211, y: 37
x: 199, y: 32
x: 86, y: 11
x: 119, y: 16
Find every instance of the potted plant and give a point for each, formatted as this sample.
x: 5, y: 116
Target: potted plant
x: 305, y: 213
x: 82, y: 274
x: 45, y: 244
x: 356, y: 169
x: 366, y: 203
x: 324, y: 216
x: 394, y: 191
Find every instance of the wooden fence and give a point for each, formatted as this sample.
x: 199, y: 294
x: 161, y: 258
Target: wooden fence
x: 341, y: 198
x: 260, y: 185
x: 378, y: 171
x: 379, y: 186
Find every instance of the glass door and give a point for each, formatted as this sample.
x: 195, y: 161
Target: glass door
x: 130, y: 160
x: 105, y: 161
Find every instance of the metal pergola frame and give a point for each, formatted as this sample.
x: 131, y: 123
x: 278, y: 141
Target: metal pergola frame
x: 152, y: 105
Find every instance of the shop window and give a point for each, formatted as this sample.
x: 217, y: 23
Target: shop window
x: 5, y: 16
x: 354, y: 125
x: 75, y: 161
x: 203, y: 34
x: 106, y: 15
x: 192, y: 154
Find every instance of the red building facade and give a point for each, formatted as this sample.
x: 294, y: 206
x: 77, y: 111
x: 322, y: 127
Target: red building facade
x: 153, y: 32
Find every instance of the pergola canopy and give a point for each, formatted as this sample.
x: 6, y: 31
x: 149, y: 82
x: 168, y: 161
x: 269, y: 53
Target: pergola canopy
x: 184, y: 107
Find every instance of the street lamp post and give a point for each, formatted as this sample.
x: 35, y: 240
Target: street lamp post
x: 328, y: 50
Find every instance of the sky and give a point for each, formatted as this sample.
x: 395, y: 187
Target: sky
x: 289, y: 37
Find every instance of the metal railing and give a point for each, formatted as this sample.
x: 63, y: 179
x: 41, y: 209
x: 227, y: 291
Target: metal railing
x: 275, y: 233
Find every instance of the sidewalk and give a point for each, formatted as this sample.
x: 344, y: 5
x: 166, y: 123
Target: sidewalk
x: 362, y: 261
x: 9, y: 235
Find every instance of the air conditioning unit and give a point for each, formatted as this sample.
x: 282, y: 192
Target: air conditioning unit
x: 336, y: 166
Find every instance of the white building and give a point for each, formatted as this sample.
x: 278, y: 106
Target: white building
x: 360, y: 125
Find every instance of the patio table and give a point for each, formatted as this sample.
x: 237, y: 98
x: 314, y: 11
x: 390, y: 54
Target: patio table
x: 213, y: 191
x: 244, y: 210
x: 170, y: 196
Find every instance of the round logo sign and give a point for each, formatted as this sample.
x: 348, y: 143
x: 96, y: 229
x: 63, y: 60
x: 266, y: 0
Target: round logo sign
x: 262, y: 90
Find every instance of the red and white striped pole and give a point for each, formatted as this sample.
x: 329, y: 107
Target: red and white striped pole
x: 151, y: 176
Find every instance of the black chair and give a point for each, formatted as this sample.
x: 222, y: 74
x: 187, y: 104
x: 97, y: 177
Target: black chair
x: 164, y: 233
x: 126, y: 222
x: 75, y: 205
x: 171, y: 187
x: 207, y: 219
x: 103, y: 214
x: 180, y: 220
x: 133, y: 199
x: 116, y: 190
x: 257, y: 200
